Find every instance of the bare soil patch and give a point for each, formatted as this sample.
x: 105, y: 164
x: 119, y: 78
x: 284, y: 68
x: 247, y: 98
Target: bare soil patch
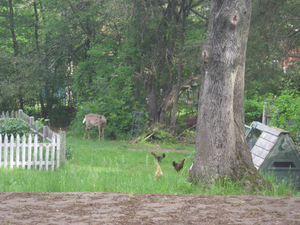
x: 122, y: 208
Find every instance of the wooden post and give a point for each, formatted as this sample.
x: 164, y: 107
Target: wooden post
x: 31, y: 120
x: 265, y: 116
x: 63, y: 148
x: 45, y: 132
x: 20, y: 113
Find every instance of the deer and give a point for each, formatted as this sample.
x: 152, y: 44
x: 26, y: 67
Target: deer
x: 94, y: 120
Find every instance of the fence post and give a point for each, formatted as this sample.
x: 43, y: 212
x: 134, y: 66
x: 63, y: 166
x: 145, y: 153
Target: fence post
x: 31, y: 120
x: 63, y: 148
x: 264, y: 117
x: 20, y: 112
x: 45, y: 132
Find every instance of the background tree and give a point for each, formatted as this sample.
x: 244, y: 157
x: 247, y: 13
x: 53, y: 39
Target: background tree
x: 273, y: 38
x: 221, y: 148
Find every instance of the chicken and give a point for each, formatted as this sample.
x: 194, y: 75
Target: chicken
x: 158, y: 157
x: 158, y: 172
x: 178, y: 166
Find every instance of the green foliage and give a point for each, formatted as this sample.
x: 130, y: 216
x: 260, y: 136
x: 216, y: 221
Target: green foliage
x: 69, y: 153
x: 162, y: 135
x: 284, y: 112
x: 253, y: 109
x: 61, y: 116
x: 189, y: 136
x: 39, y: 123
x: 13, y: 127
x: 111, y: 91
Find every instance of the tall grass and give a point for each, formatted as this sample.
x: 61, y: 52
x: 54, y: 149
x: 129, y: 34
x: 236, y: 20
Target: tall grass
x: 111, y: 166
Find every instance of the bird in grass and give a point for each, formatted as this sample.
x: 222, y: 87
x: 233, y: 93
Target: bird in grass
x: 158, y: 172
x: 158, y: 157
x: 178, y: 166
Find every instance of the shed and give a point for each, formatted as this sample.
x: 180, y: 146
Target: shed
x: 273, y: 151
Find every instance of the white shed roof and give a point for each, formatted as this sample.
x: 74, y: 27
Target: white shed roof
x: 264, y: 144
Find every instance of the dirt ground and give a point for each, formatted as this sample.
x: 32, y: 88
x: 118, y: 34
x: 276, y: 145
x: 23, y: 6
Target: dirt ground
x: 122, y: 208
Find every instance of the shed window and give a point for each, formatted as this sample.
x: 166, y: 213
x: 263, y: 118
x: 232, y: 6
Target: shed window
x: 283, y: 164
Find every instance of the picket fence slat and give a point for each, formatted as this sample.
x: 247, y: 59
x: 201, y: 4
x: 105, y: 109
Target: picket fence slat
x: 53, y: 156
x: 18, y: 151
x: 23, y: 152
x: 11, y: 158
x: 28, y: 153
x: 5, y: 151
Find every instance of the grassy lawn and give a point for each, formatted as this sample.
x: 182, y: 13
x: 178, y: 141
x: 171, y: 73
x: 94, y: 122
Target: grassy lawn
x: 118, y: 166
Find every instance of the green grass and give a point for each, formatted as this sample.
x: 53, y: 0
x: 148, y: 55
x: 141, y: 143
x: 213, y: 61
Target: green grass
x: 117, y: 166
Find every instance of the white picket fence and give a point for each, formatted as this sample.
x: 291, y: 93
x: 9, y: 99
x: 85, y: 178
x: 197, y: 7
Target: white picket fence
x: 29, y: 153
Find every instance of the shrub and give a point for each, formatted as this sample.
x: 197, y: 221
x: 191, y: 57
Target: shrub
x: 13, y: 127
x: 61, y: 116
x: 253, y: 109
x: 284, y: 112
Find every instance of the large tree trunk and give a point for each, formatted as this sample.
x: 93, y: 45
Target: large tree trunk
x: 221, y: 149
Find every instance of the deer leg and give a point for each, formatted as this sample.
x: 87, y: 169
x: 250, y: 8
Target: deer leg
x: 99, y: 130
x: 103, y: 133
x: 84, y: 133
x: 89, y: 134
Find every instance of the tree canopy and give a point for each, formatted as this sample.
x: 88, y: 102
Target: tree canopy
x: 116, y: 57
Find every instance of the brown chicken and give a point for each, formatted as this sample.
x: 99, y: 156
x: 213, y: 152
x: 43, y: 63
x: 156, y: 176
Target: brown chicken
x: 178, y: 166
x: 158, y: 157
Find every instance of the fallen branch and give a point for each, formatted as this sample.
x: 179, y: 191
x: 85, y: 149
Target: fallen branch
x: 148, y: 135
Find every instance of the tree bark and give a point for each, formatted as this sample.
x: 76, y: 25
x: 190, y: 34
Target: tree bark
x: 36, y: 26
x: 12, y: 27
x: 152, y: 103
x: 167, y: 100
x: 221, y: 148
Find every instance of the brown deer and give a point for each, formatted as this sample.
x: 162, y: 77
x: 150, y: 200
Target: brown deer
x: 94, y: 120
